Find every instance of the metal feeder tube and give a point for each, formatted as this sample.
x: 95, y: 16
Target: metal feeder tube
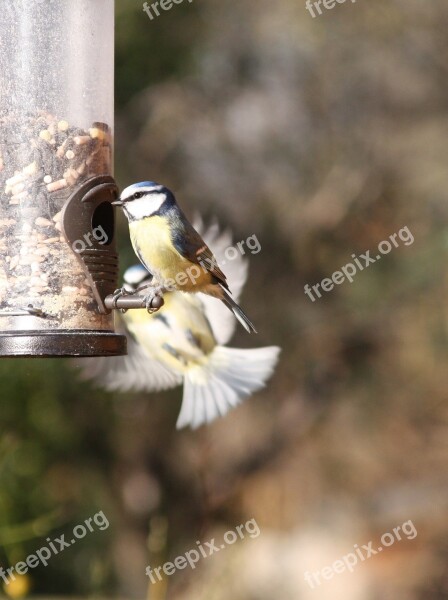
x: 57, y: 232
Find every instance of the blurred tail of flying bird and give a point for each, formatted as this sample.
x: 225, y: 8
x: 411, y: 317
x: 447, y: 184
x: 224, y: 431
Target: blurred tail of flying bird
x: 184, y: 343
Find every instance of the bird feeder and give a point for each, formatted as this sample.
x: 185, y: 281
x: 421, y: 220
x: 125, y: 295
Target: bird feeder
x: 58, y: 259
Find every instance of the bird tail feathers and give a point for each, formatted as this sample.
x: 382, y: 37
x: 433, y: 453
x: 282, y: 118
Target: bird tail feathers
x: 237, y: 311
x: 229, y: 376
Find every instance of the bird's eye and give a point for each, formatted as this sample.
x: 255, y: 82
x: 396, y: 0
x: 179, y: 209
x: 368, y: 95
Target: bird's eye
x: 138, y: 195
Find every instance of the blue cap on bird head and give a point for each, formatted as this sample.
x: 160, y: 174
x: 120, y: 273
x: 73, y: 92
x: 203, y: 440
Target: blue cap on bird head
x: 142, y: 187
x: 144, y: 199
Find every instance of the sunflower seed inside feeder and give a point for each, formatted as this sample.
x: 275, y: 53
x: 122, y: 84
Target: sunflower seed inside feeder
x: 37, y: 180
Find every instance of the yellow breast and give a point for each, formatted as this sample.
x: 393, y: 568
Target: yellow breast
x: 151, y: 239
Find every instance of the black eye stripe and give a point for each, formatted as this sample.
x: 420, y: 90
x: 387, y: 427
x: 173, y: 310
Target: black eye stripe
x: 138, y: 195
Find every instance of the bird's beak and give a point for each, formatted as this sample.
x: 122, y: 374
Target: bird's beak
x: 117, y: 202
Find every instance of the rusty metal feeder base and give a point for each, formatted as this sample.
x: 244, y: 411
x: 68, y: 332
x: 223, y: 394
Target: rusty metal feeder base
x: 61, y: 344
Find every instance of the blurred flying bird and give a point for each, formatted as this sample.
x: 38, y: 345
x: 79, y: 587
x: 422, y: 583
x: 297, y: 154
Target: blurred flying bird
x: 171, y: 249
x: 184, y: 343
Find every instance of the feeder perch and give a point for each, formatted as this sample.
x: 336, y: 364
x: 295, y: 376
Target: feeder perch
x: 58, y: 260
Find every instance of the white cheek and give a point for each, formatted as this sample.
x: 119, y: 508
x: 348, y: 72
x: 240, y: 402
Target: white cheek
x: 146, y: 206
x: 138, y: 209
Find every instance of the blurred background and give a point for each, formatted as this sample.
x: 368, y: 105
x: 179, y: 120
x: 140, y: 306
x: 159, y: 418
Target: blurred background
x: 323, y: 136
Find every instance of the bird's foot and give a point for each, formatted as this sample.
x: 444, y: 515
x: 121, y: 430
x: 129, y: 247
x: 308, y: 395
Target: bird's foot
x: 154, y: 299
x: 120, y: 293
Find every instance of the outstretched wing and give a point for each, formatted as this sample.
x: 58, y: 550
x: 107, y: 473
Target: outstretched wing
x: 138, y: 371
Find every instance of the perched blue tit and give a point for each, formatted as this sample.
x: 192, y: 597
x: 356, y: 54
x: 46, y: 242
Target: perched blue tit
x: 183, y: 343
x: 171, y: 249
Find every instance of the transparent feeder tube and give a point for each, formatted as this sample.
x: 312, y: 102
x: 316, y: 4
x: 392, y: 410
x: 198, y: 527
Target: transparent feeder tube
x: 56, y: 125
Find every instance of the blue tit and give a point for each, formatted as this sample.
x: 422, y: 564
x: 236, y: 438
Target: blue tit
x: 171, y: 249
x: 184, y: 343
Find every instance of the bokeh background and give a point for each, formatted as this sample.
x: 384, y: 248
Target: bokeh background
x: 323, y: 136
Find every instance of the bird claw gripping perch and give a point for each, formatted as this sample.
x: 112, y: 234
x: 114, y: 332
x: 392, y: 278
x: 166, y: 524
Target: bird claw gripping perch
x: 120, y: 293
x: 123, y: 299
x: 154, y: 300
